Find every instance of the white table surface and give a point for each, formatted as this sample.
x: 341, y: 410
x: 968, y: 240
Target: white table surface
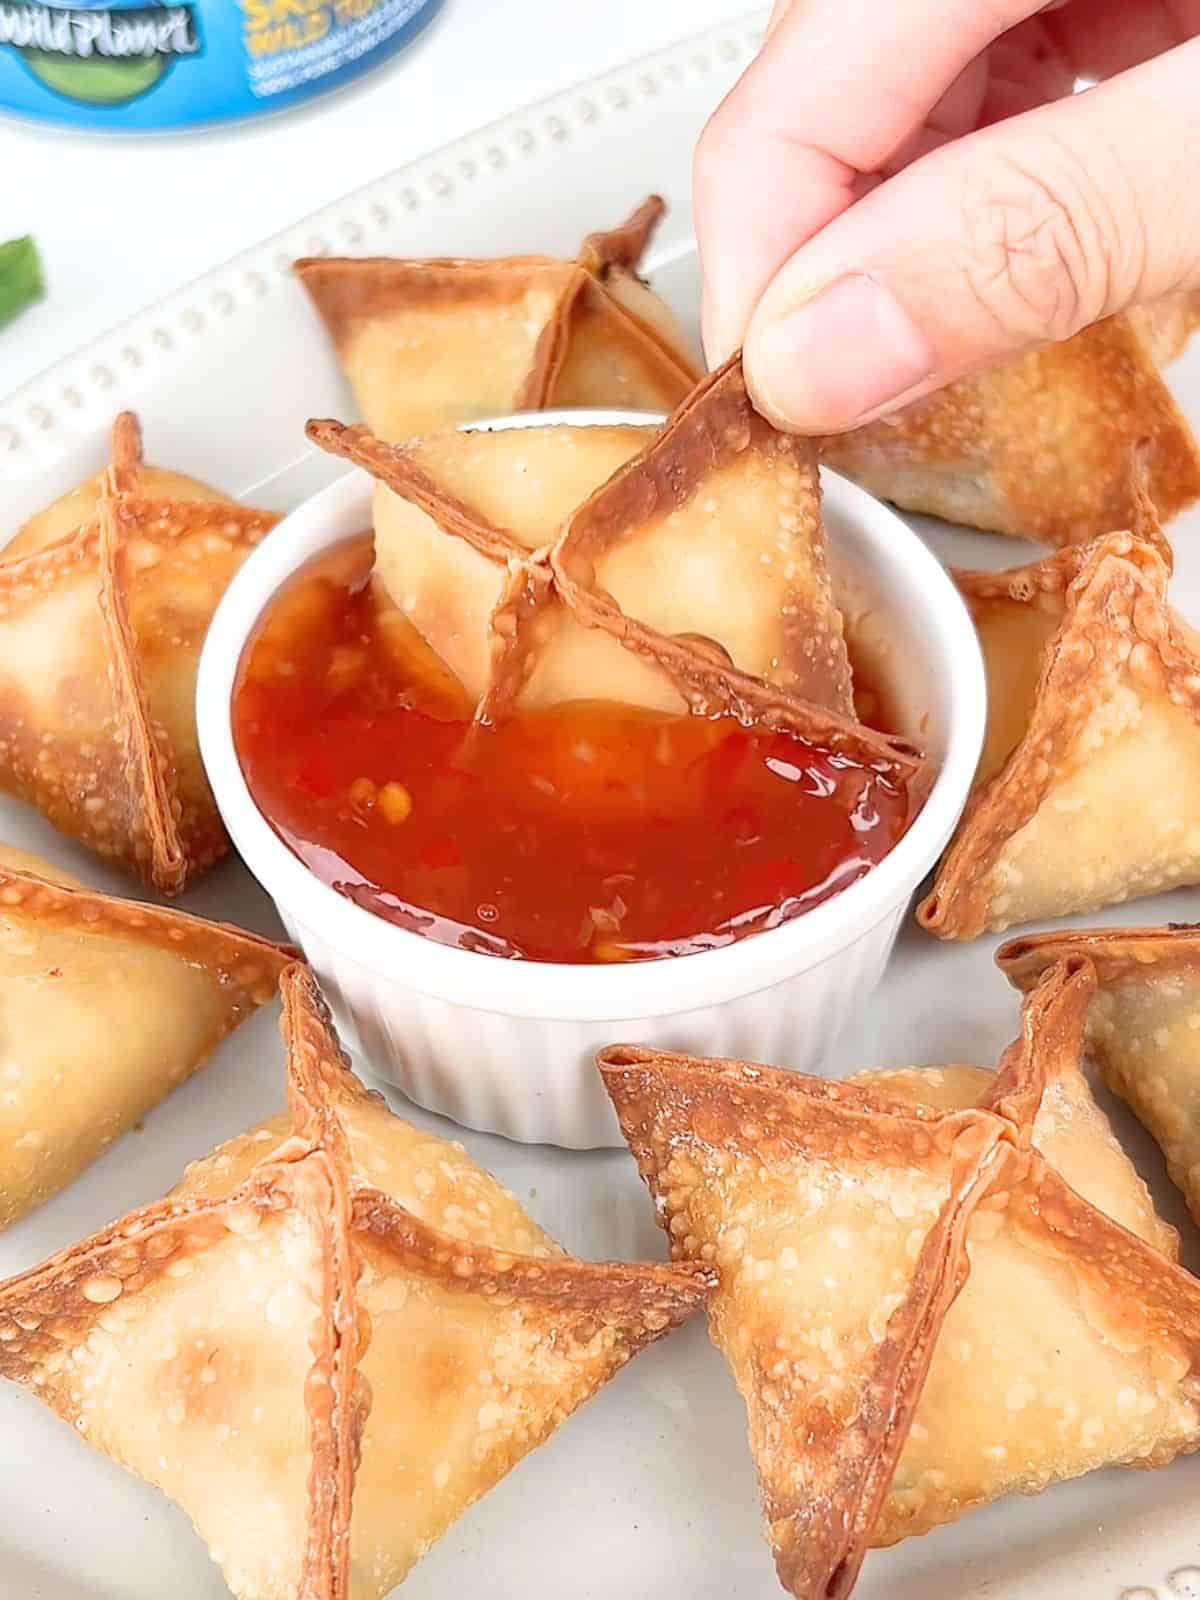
x: 122, y: 220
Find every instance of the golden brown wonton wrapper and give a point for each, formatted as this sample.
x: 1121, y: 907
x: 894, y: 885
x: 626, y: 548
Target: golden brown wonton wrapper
x: 82, y: 504
x: 1143, y: 1026
x: 335, y: 1335
x: 1092, y: 752
x: 105, y: 1007
x: 426, y: 344
x: 714, y: 530
x: 100, y: 636
x: 938, y: 1286
x: 1036, y: 446
x: 694, y: 578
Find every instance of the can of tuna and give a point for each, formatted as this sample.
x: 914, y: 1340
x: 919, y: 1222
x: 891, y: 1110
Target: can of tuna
x: 152, y: 64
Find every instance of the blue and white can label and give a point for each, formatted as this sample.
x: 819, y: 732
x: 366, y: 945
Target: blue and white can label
x: 143, y: 64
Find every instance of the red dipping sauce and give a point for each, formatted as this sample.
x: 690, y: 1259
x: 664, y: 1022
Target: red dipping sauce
x: 588, y: 832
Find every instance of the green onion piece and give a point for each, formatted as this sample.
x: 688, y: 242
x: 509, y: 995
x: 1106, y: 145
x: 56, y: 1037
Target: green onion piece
x: 21, y: 280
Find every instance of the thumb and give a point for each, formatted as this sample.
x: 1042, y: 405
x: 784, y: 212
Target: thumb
x: 1012, y: 236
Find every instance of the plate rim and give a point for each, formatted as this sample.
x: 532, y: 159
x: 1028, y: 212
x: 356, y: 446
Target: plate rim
x: 53, y: 409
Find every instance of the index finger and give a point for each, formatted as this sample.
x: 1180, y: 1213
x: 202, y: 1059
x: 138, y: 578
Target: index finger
x: 836, y: 89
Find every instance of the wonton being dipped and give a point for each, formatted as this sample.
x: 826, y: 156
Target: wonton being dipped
x: 1036, y: 446
x: 624, y: 633
x: 459, y: 518
x: 695, y: 555
x: 1084, y: 795
x: 938, y: 1285
x: 1143, y: 1025
x: 101, y: 626
x: 431, y: 343
x: 106, y: 1006
x: 334, y: 1335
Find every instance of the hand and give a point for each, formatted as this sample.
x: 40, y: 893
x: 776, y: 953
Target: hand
x: 898, y: 192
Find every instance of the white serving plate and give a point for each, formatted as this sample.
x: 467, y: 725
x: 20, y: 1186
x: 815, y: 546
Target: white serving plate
x: 650, y: 1490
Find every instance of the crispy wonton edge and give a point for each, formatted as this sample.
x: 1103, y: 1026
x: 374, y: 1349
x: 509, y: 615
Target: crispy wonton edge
x: 1116, y: 576
x: 1115, y: 955
x: 1007, y: 1171
x: 1115, y: 362
x: 311, y: 1172
x: 242, y: 958
x: 706, y: 432
x: 147, y: 753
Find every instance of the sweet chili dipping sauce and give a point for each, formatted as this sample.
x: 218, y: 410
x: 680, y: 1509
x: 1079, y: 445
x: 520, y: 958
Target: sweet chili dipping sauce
x: 586, y: 832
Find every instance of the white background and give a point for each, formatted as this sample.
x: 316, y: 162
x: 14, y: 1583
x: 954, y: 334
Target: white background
x: 122, y: 220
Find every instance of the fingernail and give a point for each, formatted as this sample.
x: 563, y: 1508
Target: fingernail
x: 839, y: 358
x: 718, y: 335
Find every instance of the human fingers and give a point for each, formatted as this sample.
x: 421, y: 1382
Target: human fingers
x: 836, y: 90
x: 1019, y: 233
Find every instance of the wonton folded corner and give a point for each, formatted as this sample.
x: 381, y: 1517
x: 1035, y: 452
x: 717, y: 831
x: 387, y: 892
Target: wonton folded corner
x: 1092, y: 751
x: 105, y: 598
x: 1143, y: 1025
x: 331, y: 1338
x: 108, y: 1006
x: 938, y: 1285
x: 426, y: 344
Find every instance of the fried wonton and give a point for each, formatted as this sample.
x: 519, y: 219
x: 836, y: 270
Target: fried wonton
x: 1036, y: 446
x: 335, y: 1335
x: 938, y: 1285
x: 426, y: 344
x: 100, y: 636
x: 105, y: 1007
x: 1092, y: 752
x: 693, y: 578
x: 1143, y: 1025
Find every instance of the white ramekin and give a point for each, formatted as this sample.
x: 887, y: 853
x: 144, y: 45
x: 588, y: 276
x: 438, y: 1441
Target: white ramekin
x: 507, y: 1046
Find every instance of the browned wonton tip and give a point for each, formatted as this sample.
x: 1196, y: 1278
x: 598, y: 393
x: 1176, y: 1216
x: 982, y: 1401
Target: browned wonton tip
x: 717, y: 1140
x: 395, y: 466
x: 1113, y: 664
x: 1142, y: 1026
x: 127, y: 453
x: 94, y: 752
x: 366, y: 1257
x: 624, y: 245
